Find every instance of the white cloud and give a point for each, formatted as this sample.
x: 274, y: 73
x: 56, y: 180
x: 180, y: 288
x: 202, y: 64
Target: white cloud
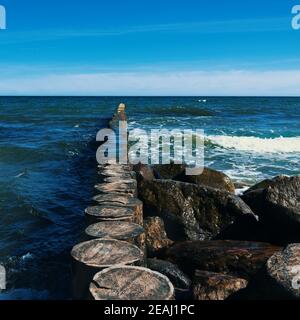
x: 253, y: 83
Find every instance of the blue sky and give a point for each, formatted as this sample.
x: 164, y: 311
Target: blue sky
x: 149, y: 47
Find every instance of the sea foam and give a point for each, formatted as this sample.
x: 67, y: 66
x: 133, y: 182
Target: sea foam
x: 259, y: 145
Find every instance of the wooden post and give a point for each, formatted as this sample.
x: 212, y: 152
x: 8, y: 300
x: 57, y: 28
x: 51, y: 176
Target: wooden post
x: 131, y: 283
x: 124, y: 200
x: 118, y: 187
x: 110, y: 213
x: 119, y: 230
x: 93, y: 256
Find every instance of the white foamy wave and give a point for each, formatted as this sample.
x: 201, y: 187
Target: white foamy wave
x: 260, y: 145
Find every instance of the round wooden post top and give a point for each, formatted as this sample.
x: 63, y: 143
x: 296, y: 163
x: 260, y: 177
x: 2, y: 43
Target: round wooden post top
x: 116, y: 173
x: 122, y: 199
x: 115, y: 187
x: 131, y: 283
x: 119, y: 230
x: 103, y: 253
x: 110, y: 212
x: 117, y: 179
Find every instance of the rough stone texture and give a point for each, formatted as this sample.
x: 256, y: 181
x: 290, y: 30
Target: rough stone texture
x: 131, y: 283
x: 284, y: 268
x: 194, y: 212
x: 210, y: 178
x: 168, y: 171
x: 176, y: 276
x: 277, y: 203
x: 239, y: 258
x: 143, y: 171
x: 215, y: 286
x: 156, y: 237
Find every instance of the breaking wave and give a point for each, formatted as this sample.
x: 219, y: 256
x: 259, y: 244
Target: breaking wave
x: 255, y: 144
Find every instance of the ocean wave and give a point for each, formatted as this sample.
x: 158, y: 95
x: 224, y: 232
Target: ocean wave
x: 255, y: 144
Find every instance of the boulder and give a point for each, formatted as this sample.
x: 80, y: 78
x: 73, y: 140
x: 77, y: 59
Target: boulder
x: 190, y: 211
x: 239, y: 258
x: 176, y: 276
x: 211, y: 178
x: 284, y: 269
x: 156, y: 237
x: 143, y: 171
x: 168, y: 171
x: 277, y: 203
x: 216, y: 286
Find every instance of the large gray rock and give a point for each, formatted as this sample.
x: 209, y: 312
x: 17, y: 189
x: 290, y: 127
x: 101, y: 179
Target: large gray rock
x: 284, y: 268
x: 239, y: 258
x: 216, y: 286
x: 277, y: 203
x: 168, y: 171
x: 209, y: 177
x: 176, y: 276
x: 192, y: 212
x: 156, y: 236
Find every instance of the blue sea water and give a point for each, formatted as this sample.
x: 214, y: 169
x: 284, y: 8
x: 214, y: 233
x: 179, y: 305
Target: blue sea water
x: 47, y: 167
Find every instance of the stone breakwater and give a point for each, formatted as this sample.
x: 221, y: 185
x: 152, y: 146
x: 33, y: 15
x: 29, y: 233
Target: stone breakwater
x: 155, y: 233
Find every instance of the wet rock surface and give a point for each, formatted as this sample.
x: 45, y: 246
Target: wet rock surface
x: 156, y: 236
x: 176, y: 276
x: 210, y: 178
x: 215, y: 286
x: 195, y: 212
x: 277, y: 203
x: 239, y: 258
x: 284, y: 269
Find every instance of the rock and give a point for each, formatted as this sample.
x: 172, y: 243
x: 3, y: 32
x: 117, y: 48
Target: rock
x: 192, y: 212
x: 176, y: 276
x: 168, y: 171
x: 277, y: 203
x: 156, y: 237
x: 143, y: 171
x: 239, y: 258
x: 215, y: 286
x: 284, y: 268
x: 210, y: 178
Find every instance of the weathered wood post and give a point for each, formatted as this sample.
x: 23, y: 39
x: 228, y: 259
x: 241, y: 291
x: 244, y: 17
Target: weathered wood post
x: 109, y: 213
x: 125, y: 200
x: 93, y: 256
x: 119, y: 230
x: 131, y: 283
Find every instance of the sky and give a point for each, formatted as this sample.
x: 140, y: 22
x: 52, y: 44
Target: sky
x: 149, y: 47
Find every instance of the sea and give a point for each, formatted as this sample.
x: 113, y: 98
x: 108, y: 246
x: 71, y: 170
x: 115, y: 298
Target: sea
x: 48, y: 167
